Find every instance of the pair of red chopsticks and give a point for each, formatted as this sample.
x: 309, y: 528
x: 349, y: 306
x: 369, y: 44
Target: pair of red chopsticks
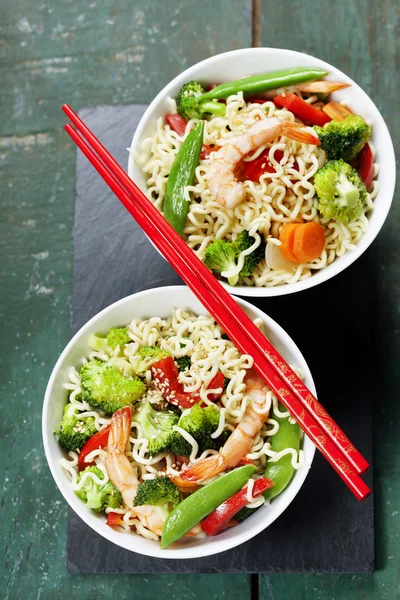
x: 294, y: 395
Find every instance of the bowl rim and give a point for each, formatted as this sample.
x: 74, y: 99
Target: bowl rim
x: 119, y: 538
x: 340, y: 263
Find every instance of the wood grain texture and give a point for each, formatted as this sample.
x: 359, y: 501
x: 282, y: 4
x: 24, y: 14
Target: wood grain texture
x: 89, y: 52
x: 361, y: 38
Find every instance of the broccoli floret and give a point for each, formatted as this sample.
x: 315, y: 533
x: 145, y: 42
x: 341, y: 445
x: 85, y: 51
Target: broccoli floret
x: 340, y: 191
x: 161, y: 492
x: 74, y: 431
x: 344, y: 139
x: 184, y: 363
x: 98, y: 496
x: 99, y: 343
x: 244, y: 241
x: 200, y: 423
x: 118, y: 336
x: 148, y: 355
x: 157, y: 427
x: 222, y: 255
x: 190, y: 105
x: 244, y: 513
x: 106, y: 388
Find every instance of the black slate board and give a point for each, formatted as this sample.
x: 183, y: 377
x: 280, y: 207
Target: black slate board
x: 325, y: 528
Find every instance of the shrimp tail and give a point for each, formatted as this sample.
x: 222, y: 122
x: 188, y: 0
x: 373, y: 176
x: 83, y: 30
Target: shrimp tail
x: 204, y: 469
x: 295, y: 132
x: 120, y: 429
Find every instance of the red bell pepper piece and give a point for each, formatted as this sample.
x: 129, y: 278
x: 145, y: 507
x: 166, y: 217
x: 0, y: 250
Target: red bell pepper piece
x: 98, y: 440
x: 165, y: 375
x: 177, y: 123
x: 254, y: 169
x: 206, y: 151
x: 114, y: 519
x: 365, y: 165
x: 302, y: 109
x: 220, y: 518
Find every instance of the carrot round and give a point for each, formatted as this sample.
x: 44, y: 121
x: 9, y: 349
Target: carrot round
x: 308, y: 242
x: 286, y: 238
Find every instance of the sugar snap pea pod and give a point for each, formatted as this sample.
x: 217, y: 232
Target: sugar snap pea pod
x: 256, y: 84
x: 175, y: 205
x: 202, y: 502
x: 281, y: 472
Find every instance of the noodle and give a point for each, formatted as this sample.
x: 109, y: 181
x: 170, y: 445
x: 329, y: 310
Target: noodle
x: 278, y: 198
x: 200, y: 338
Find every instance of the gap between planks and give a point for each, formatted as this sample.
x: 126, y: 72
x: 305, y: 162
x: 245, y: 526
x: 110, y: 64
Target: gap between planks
x: 256, y: 23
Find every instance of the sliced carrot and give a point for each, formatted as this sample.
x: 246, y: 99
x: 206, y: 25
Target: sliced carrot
x: 336, y: 111
x: 286, y: 238
x: 308, y: 242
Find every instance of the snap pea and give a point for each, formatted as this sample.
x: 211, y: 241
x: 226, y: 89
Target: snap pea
x: 202, y: 502
x: 260, y: 83
x: 281, y: 472
x: 175, y: 205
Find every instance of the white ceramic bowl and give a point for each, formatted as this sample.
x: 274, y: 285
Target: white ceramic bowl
x: 240, y: 63
x: 160, y: 302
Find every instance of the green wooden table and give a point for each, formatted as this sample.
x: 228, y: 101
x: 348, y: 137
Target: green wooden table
x: 104, y: 51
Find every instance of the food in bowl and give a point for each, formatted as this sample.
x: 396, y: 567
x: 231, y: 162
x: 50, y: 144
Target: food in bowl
x: 266, y: 178
x: 170, y: 432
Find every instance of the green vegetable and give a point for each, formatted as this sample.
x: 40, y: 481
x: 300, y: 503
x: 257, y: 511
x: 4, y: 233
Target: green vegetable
x: 148, y: 356
x: 201, y: 503
x: 184, y: 363
x: 222, y: 255
x: 160, y: 491
x: 200, y: 423
x: 281, y: 472
x: 107, y: 389
x: 157, y: 427
x: 243, y: 242
x: 74, y: 431
x: 244, y: 513
x: 226, y: 382
x: 255, y: 84
x: 190, y: 106
x: 175, y: 205
x: 340, y: 191
x: 98, y: 496
x: 118, y: 336
x: 344, y: 139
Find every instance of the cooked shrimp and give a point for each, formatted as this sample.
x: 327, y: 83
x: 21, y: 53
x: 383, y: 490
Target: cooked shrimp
x: 122, y: 474
x: 239, y: 442
x: 221, y: 173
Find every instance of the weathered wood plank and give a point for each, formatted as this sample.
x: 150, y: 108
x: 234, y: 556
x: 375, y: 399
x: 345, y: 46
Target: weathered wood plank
x: 103, y: 52
x: 360, y: 38
x: 91, y: 52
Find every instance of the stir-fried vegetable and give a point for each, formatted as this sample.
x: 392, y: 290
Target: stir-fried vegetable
x: 344, y: 139
x: 190, y: 104
x: 282, y: 471
x: 177, y: 123
x: 165, y: 375
x: 220, y: 518
x: 365, y: 166
x: 96, y: 494
x: 255, y: 84
x: 302, y: 109
x: 336, y: 111
x: 175, y: 206
x: 340, y: 190
x: 106, y: 388
x: 98, y: 440
x: 201, y: 503
x: 157, y: 427
x: 302, y: 242
x: 74, y: 430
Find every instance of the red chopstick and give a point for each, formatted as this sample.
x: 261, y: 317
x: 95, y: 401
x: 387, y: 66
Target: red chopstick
x: 306, y: 398
x: 169, y: 246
